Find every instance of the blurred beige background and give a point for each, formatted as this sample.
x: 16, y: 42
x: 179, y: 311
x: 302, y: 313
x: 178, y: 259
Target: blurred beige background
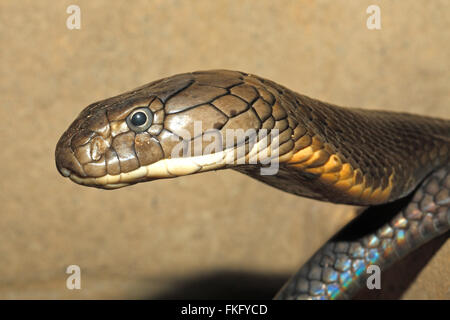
x: 217, y: 234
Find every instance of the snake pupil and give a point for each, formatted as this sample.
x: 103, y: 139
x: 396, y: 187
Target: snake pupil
x: 138, y: 119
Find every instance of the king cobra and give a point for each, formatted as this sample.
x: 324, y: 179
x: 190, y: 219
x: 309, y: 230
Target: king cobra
x: 322, y: 151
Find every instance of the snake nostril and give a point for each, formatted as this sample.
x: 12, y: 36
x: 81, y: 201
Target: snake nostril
x: 98, y: 148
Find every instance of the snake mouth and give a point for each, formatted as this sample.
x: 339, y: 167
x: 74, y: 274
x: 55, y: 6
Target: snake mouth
x: 173, y: 167
x: 162, y: 169
x: 96, y: 182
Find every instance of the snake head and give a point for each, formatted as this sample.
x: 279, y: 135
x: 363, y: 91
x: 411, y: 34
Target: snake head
x: 111, y: 141
x: 171, y: 127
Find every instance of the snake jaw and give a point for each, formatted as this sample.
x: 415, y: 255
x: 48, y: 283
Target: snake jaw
x: 96, y: 182
x: 163, y: 169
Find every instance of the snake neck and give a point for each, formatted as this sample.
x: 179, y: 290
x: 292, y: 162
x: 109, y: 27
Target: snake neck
x: 354, y: 156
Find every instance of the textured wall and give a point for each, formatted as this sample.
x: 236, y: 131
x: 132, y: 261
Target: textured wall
x: 218, y: 234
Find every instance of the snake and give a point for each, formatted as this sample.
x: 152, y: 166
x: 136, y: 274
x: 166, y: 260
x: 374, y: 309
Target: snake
x: 219, y: 119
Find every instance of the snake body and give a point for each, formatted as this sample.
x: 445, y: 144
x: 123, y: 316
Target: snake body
x: 322, y: 151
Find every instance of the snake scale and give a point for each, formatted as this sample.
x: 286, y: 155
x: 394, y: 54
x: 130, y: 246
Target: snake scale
x: 322, y: 151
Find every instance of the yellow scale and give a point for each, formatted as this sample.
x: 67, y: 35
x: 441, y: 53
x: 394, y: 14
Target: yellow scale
x: 341, y: 175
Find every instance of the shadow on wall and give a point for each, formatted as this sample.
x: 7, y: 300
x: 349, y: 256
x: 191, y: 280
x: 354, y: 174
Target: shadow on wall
x: 246, y: 285
x: 226, y: 285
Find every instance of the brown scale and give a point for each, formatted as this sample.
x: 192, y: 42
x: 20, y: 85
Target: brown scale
x: 245, y: 92
x: 231, y: 105
x: 147, y: 148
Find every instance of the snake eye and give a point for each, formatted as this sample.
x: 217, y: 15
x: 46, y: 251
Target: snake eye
x: 140, y: 119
